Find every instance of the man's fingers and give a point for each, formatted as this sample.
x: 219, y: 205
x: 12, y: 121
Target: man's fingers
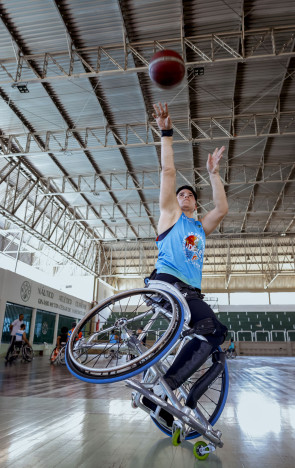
x: 160, y: 111
x: 218, y: 152
x: 221, y: 150
x: 156, y: 110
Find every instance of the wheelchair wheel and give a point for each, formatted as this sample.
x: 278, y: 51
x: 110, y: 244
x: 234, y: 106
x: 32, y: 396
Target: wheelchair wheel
x: 27, y: 353
x: 61, y: 356
x: 53, y: 355
x: 81, y: 355
x: 211, y: 403
x: 125, y: 313
x: 13, y: 355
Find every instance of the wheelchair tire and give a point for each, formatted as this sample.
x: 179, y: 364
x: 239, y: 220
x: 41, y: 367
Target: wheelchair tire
x: 211, y: 402
x: 53, y: 355
x: 126, y: 312
x: 13, y: 355
x: 27, y: 353
x: 62, y: 356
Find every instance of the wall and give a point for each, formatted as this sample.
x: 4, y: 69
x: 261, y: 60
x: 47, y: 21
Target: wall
x: 20, y: 290
x: 259, y: 348
x: 130, y: 283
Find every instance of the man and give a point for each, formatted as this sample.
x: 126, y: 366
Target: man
x: 62, y: 338
x: 14, y: 327
x: 21, y: 336
x: 181, y: 243
x: 80, y: 334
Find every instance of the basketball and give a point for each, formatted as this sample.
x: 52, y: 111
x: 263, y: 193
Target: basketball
x: 166, y: 69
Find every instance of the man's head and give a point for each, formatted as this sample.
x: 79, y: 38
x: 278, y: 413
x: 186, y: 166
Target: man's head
x: 21, y: 317
x: 23, y: 327
x: 187, y: 198
x: 74, y: 324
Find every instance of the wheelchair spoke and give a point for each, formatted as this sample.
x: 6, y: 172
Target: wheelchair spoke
x: 159, y: 315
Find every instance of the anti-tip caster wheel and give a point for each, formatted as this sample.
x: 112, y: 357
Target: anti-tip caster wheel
x: 200, y: 450
x: 133, y: 400
x: 176, y: 440
x: 133, y: 404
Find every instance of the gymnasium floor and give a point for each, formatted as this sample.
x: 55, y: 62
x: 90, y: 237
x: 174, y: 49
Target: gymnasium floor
x: 50, y: 419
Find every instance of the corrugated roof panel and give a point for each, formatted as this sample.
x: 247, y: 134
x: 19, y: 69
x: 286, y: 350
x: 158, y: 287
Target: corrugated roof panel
x: 269, y: 13
x: 37, y: 25
x: 212, y: 16
x: 95, y: 23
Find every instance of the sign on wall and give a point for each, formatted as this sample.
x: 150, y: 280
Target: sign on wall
x: 17, y: 289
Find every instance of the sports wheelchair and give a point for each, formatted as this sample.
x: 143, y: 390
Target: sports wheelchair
x: 20, y: 349
x: 57, y: 355
x: 230, y: 353
x: 159, y: 305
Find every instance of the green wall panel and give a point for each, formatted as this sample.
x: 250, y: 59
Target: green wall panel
x: 44, y: 327
x: 65, y: 321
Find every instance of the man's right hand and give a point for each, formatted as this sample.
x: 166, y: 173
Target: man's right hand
x: 162, y: 116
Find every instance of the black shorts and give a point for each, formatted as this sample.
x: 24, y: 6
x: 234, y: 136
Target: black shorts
x: 199, y: 309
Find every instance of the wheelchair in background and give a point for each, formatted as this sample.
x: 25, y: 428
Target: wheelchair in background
x: 230, y: 354
x: 158, y: 305
x: 57, y: 355
x: 20, y: 350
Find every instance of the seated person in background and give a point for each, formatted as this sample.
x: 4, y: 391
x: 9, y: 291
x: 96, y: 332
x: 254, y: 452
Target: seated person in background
x: 139, y: 331
x: 20, y: 336
x: 114, y: 339
x: 13, y: 327
x: 231, y: 346
x: 71, y: 331
x: 61, y: 341
x: 62, y: 338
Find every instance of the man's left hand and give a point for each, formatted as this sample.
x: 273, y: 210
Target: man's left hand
x: 213, y: 160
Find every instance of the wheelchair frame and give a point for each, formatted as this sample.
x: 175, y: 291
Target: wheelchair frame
x: 187, y: 423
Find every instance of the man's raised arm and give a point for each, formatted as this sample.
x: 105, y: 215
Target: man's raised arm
x: 214, y: 217
x: 169, y: 208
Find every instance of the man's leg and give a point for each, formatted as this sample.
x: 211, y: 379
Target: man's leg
x: 203, y: 383
x: 10, y: 347
x: 195, y: 353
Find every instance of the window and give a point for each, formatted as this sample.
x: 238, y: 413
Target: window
x: 44, y: 327
x: 12, y: 312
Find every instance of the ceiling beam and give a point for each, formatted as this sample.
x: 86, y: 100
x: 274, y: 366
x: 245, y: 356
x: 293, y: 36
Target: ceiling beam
x: 254, y: 128
x: 274, y: 42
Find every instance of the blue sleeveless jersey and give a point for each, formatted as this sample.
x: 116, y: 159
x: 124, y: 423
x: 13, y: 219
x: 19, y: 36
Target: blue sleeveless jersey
x: 181, y: 252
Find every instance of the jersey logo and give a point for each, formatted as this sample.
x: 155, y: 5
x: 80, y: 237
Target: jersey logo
x: 193, y: 247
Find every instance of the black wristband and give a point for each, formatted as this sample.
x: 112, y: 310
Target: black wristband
x: 167, y: 132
